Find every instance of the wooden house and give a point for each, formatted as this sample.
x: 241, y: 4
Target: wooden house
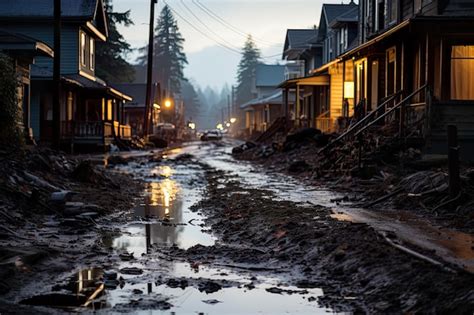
x: 23, y: 50
x: 320, y: 91
x: 415, y: 67
x: 91, y: 110
x: 262, y: 111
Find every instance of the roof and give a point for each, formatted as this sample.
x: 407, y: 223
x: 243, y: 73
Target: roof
x: 269, y: 75
x: 306, y: 81
x: 298, y: 40
x: 44, y: 8
x: 135, y: 90
x: 24, y: 44
x: 333, y: 11
x: 459, y: 8
x: 275, y: 98
x: 351, y: 15
x: 83, y: 10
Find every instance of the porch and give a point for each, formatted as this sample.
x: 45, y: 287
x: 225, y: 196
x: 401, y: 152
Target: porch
x: 311, y: 105
x: 94, y: 132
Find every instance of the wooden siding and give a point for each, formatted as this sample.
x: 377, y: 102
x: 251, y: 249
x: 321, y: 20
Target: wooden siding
x: 44, y: 32
x: 336, y: 90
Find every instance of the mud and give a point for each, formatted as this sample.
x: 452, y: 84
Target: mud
x: 192, y: 230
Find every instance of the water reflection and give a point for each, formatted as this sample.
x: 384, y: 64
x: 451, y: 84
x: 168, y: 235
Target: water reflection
x: 164, y: 216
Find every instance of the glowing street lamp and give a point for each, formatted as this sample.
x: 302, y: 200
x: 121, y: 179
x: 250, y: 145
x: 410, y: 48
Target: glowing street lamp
x: 168, y: 103
x: 228, y: 124
x: 220, y: 126
x: 233, y: 120
x: 192, y: 126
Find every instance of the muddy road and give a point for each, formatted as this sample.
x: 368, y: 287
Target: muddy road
x: 212, y: 235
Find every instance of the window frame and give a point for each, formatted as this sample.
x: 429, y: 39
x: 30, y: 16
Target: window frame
x: 83, y: 48
x: 91, y: 53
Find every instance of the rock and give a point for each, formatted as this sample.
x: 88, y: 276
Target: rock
x: 209, y: 287
x: 61, y: 196
x: 274, y: 290
x: 212, y: 302
x: 131, y: 271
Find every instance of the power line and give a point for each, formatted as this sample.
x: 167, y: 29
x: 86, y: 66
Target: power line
x: 207, y: 27
x: 222, y: 21
x: 223, y: 45
x: 200, y: 31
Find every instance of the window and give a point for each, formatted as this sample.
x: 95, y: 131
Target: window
x: 462, y: 72
x: 392, y: 11
x: 83, y: 49
x: 92, y: 53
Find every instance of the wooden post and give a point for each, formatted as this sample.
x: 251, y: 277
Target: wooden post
x: 149, y: 69
x: 298, y: 106
x: 453, y: 161
x: 57, y: 76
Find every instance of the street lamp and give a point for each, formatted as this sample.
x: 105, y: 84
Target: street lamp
x: 168, y: 103
x: 233, y: 120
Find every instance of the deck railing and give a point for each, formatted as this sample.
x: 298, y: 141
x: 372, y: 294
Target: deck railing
x: 325, y: 123
x: 125, y: 132
x: 86, y: 129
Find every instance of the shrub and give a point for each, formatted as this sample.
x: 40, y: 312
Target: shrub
x: 10, y: 110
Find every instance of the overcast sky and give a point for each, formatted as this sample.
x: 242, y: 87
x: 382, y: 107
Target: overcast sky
x: 209, y: 62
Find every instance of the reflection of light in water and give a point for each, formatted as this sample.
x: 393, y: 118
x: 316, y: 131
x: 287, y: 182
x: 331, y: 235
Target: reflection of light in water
x: 163, y: 194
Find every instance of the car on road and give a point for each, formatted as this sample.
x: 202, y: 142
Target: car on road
x: 210, y: 135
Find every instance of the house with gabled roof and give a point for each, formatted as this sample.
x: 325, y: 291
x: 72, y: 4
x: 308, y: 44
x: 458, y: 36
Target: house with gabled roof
x: 24, y: 51
x: 262, y: 111
x: 91, y: 109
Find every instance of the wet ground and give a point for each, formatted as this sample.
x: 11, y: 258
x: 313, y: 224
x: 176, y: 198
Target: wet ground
x: 212, y: 235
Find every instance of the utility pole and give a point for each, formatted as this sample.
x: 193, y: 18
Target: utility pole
x: 229, y: 108
x: 149, y: 78
x: 57, y: 76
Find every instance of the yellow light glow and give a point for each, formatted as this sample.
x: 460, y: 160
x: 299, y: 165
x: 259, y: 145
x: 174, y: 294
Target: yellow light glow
x: 167, y: 103
x: 192, y: 126
x: 156, y: 106
x: 220, y: 126
x: 233, y: 120
x: 228, y: 124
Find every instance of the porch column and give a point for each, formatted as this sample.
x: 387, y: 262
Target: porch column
x: 298, y: 106
x: 285, y: 102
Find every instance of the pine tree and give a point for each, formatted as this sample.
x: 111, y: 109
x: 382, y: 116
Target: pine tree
x: 168, y: 56
x: 110, y: 55
x: 246, y: 71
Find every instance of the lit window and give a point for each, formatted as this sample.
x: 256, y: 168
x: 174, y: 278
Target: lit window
x: 83, y: 48
x: 462, y: 72
x: 92, y: 53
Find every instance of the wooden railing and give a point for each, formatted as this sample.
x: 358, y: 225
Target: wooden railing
x: 125, y: 132
x: 401, y: 107
x: 86, y: 129
x: 325, y: 123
